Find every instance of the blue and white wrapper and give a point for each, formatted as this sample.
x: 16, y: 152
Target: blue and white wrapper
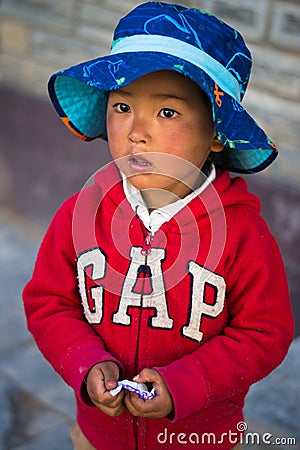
x: 139, y: 388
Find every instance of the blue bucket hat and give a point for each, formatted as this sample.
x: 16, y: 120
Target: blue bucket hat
x: 158, y: 36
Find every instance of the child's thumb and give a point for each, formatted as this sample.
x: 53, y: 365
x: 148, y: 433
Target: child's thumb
x: 110, y: 379
x: 110, y: 383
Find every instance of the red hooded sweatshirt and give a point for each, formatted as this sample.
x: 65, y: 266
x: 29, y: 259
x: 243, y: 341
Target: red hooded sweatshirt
x: 212, y: 313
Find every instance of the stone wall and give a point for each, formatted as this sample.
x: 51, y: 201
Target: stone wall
x: 39, y: 37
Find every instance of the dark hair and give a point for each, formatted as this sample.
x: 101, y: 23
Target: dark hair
x: 219, y: 159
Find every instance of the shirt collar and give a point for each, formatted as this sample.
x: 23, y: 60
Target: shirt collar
x: 155, y: 219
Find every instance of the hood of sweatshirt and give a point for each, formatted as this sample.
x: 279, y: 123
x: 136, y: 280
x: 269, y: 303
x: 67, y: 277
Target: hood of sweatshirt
x: 201, y: 227
x: 225, y: 192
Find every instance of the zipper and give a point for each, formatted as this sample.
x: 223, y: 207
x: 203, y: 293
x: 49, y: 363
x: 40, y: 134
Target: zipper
x: 145, y: 251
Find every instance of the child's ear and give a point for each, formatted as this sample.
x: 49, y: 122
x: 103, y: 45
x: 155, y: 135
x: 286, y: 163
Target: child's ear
x: 216, y: 145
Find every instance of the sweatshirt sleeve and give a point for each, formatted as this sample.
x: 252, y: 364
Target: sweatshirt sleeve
x: 53, y: 307
x: 259, y: 331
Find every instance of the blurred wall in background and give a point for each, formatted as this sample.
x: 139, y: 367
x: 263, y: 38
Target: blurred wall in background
x: 41, y: 162
x: 39, y: 37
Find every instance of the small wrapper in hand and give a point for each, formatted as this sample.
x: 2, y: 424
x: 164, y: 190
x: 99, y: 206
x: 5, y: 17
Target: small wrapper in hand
x: 139, y: 388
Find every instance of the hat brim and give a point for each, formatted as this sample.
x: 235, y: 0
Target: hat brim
x: 79, y: 95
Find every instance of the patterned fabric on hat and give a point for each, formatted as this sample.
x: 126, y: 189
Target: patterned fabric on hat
x: 157, y: 36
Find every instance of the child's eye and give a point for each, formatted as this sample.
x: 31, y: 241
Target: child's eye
x: 168, y: 113
x: 122, y: 107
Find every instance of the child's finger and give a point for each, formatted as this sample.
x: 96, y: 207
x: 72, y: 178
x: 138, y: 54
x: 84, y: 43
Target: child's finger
x: 143, y: 408
x: 147, y: 376
x: 110, y: 375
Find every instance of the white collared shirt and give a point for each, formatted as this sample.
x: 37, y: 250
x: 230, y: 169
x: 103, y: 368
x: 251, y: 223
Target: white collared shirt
x: 153, y: 220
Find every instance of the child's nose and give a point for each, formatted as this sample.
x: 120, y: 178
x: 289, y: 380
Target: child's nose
x: 139, y: 131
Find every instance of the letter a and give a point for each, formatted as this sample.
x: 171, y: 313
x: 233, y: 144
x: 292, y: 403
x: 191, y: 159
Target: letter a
x: 201, y: 277
x: 153, y: 298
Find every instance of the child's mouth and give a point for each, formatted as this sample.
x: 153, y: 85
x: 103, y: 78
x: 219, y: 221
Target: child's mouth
x: 139, y: 164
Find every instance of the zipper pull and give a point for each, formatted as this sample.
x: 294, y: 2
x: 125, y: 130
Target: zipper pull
x: 146, y: 249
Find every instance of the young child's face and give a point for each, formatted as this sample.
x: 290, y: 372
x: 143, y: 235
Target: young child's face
x: 153, y: 122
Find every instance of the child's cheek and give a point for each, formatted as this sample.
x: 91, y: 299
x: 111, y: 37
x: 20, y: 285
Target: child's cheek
x: 114, y: 132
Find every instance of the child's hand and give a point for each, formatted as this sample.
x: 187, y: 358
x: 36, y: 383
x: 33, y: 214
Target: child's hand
x: 159, y: 406
x: 102, y: 378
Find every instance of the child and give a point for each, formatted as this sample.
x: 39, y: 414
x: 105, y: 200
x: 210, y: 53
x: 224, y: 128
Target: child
x: 162, y: 271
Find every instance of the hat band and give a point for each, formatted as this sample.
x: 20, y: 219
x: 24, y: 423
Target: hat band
x: 175, y: 47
